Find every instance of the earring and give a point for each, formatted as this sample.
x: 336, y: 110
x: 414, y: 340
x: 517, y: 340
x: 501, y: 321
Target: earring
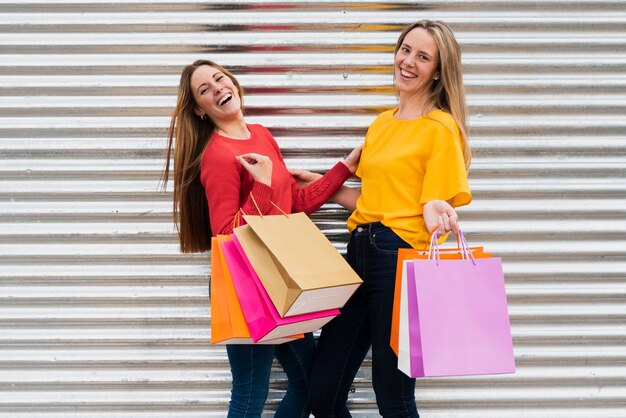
x: 204, y: 116
x: 436, y: 78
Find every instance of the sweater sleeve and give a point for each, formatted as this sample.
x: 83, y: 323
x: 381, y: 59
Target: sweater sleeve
x: 258, y: 198
x: 317, y: 193
x: 310, y: 198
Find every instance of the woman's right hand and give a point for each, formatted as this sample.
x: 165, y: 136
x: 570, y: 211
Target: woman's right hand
x: 440, y: 215
x: 304, y: 178
x: 259, y: 166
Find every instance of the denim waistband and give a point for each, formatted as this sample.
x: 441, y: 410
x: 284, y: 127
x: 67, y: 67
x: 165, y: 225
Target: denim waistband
x: 370, y: 228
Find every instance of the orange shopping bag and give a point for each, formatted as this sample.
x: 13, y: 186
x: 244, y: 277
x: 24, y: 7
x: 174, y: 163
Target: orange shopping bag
x: 228, y: 325
x: 412, y: 254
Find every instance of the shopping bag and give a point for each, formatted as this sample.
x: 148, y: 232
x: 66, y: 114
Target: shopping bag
x: 299, y: 267
x: 228, y: 325
x: 410, y: 254
x: 454, y: 318
x: 405, y: 338
x: 262, y: 318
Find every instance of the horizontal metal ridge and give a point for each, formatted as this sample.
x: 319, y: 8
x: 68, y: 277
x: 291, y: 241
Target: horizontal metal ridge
x: 608, y: 124
x: 28, y: 231
x: 175, y: 380
x: 33, y: 166
x: 166, y: 356
x: 146, y: 271
x: 115, y: 294
x: 565, y: 410
x: 282, y: 104
x: 469, y: 397
x: 248, y: 41
x: 154, y: 147
x: 332, y: 81
x: 532, y: 270
x: 250, y: 63
x: 555, y: 247
x: 294, y: 4
x: 489, y: 207
x: 140, y: 331
x: 331, y: 16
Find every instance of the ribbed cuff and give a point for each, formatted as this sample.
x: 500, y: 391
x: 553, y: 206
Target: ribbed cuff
x: 340, y: 172
x: 262, y: 194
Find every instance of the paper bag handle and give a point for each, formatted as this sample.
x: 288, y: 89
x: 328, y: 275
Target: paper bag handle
x: 466, y: 252
x: 236, y: 219
x: 259, y: 210
x: 459, y: 245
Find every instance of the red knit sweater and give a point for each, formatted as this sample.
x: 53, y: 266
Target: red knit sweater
x: 228, y: 185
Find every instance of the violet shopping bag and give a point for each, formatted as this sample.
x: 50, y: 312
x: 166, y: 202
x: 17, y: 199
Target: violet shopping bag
x: 228, y: 325
x: 261, y: 316
x: 454, y: 317
x: 411, y: 253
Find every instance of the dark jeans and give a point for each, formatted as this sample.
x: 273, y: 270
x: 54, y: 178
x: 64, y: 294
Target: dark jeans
x: 364, y: 321
x: 250, y: 366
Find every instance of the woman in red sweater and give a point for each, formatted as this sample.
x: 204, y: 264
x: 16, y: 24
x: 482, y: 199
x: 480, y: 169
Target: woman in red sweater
x: 222, y: 164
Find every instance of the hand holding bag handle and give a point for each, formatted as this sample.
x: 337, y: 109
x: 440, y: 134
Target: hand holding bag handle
x: 463, y: 246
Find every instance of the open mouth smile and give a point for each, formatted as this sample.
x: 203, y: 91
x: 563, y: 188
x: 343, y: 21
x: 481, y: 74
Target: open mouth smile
x: 224, y: 99
x: 407, y: 74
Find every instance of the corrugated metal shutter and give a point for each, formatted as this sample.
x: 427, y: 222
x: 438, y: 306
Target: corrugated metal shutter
x: 100, y: 316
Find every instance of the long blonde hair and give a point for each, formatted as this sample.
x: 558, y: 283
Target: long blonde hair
x: 448, y: 92
x: 192, y: 133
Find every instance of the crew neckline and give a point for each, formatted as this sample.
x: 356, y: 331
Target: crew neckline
x: 242, y: 140
x: 395, y: 110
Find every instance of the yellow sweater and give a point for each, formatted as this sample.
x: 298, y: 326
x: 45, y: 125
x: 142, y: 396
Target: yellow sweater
x: 404, y: 165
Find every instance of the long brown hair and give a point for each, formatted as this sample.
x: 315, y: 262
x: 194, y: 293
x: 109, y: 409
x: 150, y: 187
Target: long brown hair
x: 192, y: 133
x: 448, y: 92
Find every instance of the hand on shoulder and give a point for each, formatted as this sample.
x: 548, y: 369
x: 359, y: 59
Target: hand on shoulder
x: 352, y: 160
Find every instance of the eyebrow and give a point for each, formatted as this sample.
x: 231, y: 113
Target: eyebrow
x: 213, y: 76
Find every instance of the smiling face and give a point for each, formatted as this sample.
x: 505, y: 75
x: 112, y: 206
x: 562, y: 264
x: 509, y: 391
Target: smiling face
x: 416, y: 63
x: 216, y: 94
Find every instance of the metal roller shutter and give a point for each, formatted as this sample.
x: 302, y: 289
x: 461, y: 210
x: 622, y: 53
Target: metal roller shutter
x: 100, y: 316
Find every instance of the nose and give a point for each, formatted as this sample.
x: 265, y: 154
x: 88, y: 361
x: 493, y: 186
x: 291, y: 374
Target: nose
x: 411, y: 60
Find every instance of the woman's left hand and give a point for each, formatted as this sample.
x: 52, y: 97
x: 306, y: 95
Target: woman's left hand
x: 440, y: 215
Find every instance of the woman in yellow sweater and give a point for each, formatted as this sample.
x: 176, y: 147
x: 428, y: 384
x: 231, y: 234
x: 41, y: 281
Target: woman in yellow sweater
x: 413, y: 172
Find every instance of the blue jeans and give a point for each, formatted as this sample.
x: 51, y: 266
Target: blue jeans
x: 364, y: 321
x: 250, y: 366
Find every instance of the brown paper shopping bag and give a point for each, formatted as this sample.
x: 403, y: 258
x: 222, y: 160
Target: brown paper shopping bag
x: 228, y: 325
x: 298, y: 266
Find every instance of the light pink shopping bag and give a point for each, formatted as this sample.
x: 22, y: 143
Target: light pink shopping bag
x: 264, y: 321
x: 455, y: 319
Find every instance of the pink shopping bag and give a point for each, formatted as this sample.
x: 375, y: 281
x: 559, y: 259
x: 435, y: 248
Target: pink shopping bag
x: 454, y: 318
x: 228, y: 325
x: 264, y: 321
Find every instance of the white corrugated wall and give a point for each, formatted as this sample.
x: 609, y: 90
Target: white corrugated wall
x: 101, y: 317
